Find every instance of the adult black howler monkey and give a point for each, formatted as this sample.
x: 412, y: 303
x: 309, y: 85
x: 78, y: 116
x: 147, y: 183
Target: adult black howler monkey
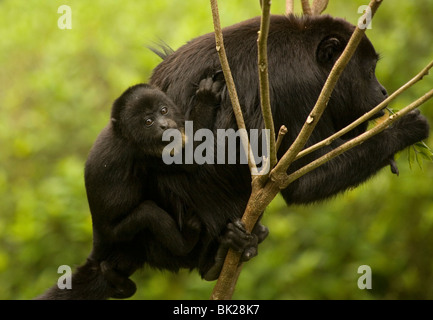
x: 301, y: 53
x: 203, y: 202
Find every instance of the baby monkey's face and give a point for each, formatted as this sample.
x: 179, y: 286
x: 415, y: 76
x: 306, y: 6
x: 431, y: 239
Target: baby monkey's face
x: 148, y: 113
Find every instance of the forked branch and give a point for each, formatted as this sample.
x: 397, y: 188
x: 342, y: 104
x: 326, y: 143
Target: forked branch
x: 264, y: 192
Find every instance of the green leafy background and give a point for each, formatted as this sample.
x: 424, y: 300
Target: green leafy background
x: 56, y: 90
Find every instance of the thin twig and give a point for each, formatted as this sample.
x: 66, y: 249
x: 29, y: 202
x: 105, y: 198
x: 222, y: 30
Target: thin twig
x: 231, y: 86
x: 319, y: 6
x: 283, y: 131
x: 290, y: 7
x: 306, y: 7
x: 265, y: 100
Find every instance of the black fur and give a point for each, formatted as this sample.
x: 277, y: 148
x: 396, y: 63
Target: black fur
x: 301, y: 52
x: 129, y: 228
x: 200, y: 202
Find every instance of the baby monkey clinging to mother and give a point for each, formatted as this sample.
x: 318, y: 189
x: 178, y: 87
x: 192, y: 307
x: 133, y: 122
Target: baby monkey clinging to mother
x: 132, y: 224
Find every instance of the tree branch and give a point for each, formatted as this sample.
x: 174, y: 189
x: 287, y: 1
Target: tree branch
x: 263, y: 192
x: 290, y: 7
x: 281, y: 134
x: 262, y: 44
x: 306, y: 7
x: 257, y: 203
x: 226, y: 282
x: 319, y: 6
x: 231, y: 87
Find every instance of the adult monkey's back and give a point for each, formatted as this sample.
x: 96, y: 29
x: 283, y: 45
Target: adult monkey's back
x: 301, y: 53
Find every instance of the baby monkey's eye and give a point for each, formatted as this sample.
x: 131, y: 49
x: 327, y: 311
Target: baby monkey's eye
x: 148, y: 122
x: 164, y: 110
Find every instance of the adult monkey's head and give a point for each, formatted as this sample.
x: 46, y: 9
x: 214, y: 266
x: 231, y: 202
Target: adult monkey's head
x: 302, y: 52
x: 358, y: 89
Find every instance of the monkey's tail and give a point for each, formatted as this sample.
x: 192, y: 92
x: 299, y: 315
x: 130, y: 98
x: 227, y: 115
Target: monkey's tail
x: 88, y: 283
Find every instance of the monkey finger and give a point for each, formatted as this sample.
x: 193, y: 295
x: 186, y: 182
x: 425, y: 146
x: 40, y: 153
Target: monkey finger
x: 249, y: 253
x: 237, y: 238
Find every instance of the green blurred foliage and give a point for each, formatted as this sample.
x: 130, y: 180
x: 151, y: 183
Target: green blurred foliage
x: 56, y: 91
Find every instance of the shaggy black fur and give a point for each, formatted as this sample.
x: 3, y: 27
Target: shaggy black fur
x: 200, y: 203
